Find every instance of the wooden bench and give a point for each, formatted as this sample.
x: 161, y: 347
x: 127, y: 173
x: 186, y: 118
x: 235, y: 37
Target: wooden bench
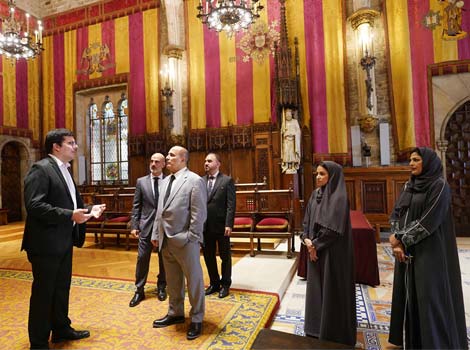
x: 264, y: 214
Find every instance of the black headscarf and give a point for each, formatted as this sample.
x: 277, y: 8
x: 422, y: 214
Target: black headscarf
x: 432, y: 170
x: 332, y: 200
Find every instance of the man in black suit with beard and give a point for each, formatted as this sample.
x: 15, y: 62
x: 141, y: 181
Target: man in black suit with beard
x: 55, y: 223
x: 221, y: 204
x: 143, y: 216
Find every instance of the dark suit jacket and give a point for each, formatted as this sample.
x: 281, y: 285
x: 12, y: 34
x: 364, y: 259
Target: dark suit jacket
x: 143, y: 208
x: 49, y: 228
x: 221, y: 205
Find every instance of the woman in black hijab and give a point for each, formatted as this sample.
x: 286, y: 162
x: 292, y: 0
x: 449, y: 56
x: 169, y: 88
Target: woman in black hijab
x: 330, y: 305
x: 427, y: 302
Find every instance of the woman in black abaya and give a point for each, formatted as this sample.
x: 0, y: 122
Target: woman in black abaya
x: 427, y: 302
x: 330, y: 305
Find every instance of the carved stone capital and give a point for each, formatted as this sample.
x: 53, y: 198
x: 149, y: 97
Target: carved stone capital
x: 442, y: 145
x: 361, y: 16
x: 174, y: 51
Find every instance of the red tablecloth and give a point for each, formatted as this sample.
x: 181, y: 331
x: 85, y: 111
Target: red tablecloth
x: 365, y: 252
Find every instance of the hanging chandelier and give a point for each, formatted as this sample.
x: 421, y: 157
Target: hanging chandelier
x: 229, y: 16
x: 16, y: 43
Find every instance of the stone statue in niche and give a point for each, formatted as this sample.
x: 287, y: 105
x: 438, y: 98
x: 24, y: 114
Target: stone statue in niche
x: 290, y: 138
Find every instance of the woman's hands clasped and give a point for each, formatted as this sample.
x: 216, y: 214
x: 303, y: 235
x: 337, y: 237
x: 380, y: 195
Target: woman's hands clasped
x: 312, y: 251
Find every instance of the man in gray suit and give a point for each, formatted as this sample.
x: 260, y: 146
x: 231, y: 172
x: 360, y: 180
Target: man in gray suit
x: 142, y: 219
x: 178, y: 233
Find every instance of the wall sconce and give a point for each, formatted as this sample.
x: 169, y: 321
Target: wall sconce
x: 167, y: 95
x: 362, y: 22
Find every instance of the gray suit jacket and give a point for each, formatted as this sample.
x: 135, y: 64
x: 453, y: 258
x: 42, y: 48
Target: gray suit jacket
x: 183, y: 216
x: 143, y: 208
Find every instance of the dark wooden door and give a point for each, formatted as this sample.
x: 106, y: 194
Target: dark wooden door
x: 457, y: 133
x: 11, y: 181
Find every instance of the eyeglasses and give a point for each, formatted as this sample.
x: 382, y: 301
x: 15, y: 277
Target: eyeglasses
x: 72, y: 143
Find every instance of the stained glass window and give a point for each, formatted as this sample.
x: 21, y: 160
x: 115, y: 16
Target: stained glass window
x: 108, y: 141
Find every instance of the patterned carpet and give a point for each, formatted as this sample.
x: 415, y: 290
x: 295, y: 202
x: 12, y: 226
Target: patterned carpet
x: 372, y: 304
x: 101, y: 306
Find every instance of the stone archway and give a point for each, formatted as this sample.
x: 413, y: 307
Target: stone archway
x: 16, y: 157
x: 451, y: 129
x: 457, y: 160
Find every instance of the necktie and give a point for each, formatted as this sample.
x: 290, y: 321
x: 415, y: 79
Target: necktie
x: 168, y: 190
x: 155, y: 190
x: 210, y: 184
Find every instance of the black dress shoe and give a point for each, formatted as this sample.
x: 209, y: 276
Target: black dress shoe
x: 136, y: 299
x: 167, y: 321
x: 211, y: 290
x: 223, y: 292
x: 161, y: 294
x: 70, y: 334
x: 194, y: 331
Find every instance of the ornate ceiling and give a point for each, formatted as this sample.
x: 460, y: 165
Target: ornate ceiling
x: 44, y: 8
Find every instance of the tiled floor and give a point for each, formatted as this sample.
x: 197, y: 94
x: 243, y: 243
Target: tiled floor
x: 372, y: 304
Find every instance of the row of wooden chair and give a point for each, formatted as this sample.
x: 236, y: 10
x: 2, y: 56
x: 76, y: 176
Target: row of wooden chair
x: 115, y: 220
x: 265, y: 214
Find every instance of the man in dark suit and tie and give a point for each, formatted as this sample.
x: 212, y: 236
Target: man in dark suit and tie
x: 177, y: 232
x: 55, y: 222
x: 221, y: 204
x: 142, y: 218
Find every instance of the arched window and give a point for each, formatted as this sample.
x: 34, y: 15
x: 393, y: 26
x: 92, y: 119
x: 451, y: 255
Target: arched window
x: 108, y: 142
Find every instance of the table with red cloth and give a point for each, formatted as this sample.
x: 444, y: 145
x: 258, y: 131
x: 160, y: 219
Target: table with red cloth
x: 365, y: 251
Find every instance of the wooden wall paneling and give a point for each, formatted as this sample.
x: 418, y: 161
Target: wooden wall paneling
x: 375, y: 190
x: 351, y: 194
x: 138, y: 166
x: 263, y: 158
x: 196, y: 162
x: 374, y: 195
x: 242, y: 165
x: 278, y: 177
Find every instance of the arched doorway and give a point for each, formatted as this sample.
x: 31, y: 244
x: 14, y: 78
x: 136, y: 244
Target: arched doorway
x: 457, y: 133
x: 11, y: 180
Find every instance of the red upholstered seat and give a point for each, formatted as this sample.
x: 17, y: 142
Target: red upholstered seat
x: 242, y: 223
x: 272, y: 224
x: 119, y: 219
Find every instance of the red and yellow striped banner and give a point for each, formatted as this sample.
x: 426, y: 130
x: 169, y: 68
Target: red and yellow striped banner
x: 224, y: 90
x: 413, y: 47
x: 133, y: 44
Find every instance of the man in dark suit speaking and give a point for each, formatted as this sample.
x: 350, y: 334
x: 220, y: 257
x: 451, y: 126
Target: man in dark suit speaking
x: 55, y: 223
x: 221, y: 205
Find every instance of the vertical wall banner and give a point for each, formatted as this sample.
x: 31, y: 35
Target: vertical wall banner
x: 212, y: 83
x: 33, y: 98
x: 121, y: 43
x: 59, y: 80
x: 137, y: 75
x: 70, y: 76
x: 107, y: 38
x: 48, y: 80
x: 82, y: 45
x: 151, y: 60
x: 9, y: 93
x: 22, y: 94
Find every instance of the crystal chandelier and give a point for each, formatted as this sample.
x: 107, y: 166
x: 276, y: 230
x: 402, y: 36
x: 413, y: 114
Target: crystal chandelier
x: 15, y: 43
x: 229, y: 16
